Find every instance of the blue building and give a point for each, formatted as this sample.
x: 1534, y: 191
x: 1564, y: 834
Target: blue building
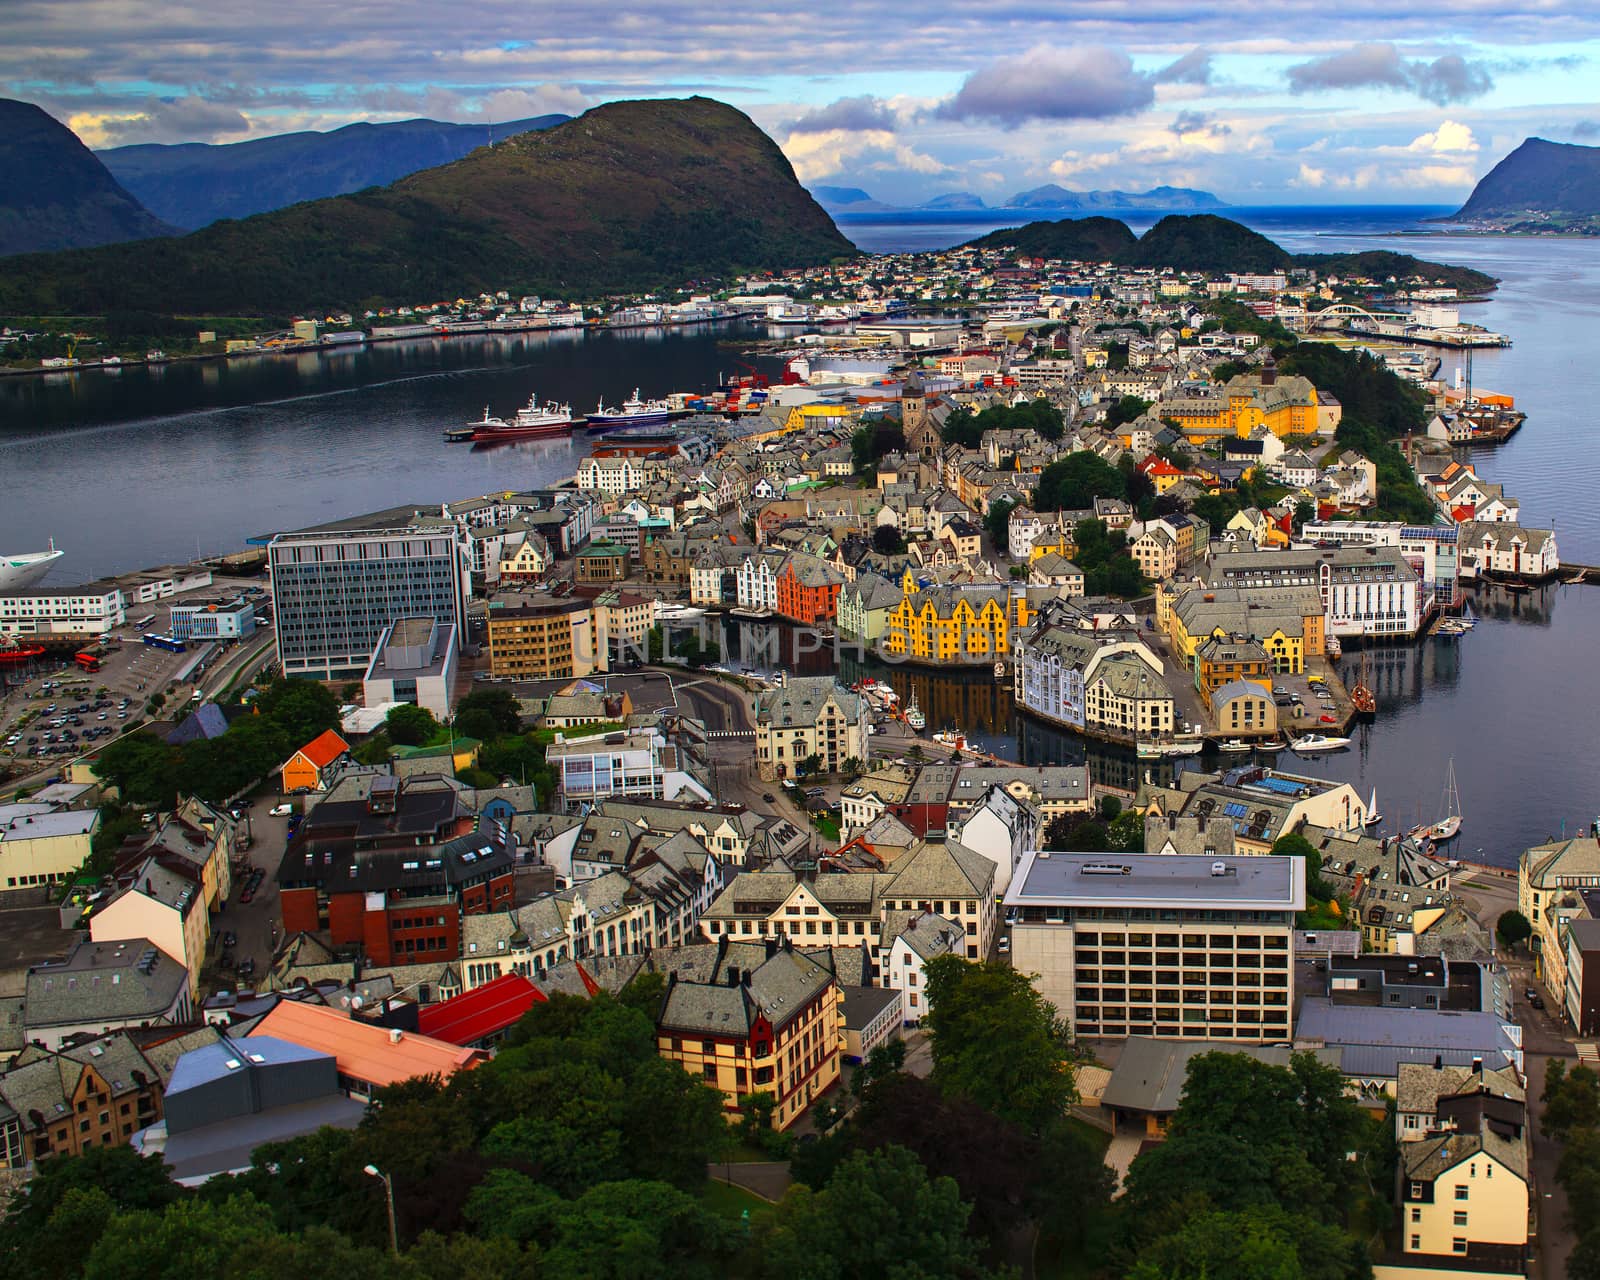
x: 212, y: 618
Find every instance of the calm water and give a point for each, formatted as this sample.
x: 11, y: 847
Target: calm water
x: 134, y: 468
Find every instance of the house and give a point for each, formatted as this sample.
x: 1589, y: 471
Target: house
x: 950, y: 624
x: 164, y: 906
x: 809, y: 716
x: 480, y: 1017
x: 865, y: 607
x: 98, y: 1093
x: 1243, y: 707
x: 101, y: 987
x: 808, y: 590
x: 368, y: 1056
x: 311, y: 767
x: 1464, y: 1198
x: 43, y: 843
x: 1000, y: 827
x: 1489, y: 548
x: 196, y: 841
x: 910, y: 940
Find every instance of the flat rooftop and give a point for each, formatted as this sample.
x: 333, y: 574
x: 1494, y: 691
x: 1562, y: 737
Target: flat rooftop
x: 1189, y: 881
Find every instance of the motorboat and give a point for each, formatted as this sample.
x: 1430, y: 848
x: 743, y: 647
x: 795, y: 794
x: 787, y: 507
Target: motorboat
x: 1233, y: 747
x: 914, y: 717
x: 1312, y: 743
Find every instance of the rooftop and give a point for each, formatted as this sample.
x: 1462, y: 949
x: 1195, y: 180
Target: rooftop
x: 1263, y: 883
x: 364, y: 1050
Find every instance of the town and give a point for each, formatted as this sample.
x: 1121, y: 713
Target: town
x: 317, y: 833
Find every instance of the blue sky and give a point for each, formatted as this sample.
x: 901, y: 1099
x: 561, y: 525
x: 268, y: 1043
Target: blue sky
x: 1360, y: 102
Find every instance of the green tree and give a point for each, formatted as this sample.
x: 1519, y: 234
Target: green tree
x: 625, y: 1230
x: 888, y: 540
x: 1125, y: 834
x: 410, y: 725
x: 376, y: 748
x: 1125, y: 410
x: 1512, y: 929
x: 880, y: 1215
x: 1070, y: 833
x: 1260, y: 1243
x: 997, y: 522
x: 142, y: 767
x: 1074, y: 482
x: 810, y: 765
x: 1571, y: 1100
x: 972, y: 1007
x: 500, y: 704
x: 1295, y: 845
x: 301, y: 708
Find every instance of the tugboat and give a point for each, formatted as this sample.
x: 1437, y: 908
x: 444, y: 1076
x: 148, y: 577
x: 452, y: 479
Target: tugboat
x: 914, y: 716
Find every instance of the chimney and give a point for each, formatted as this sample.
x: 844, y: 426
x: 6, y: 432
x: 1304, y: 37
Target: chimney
x: 396, y: 1035
x: 1438, y: 1062
x: 1477, y: 1065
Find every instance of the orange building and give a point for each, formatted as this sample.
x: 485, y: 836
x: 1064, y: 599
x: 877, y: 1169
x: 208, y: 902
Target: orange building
x: 368, y: 1056
x: 808, y: 590
x: 304, y: 770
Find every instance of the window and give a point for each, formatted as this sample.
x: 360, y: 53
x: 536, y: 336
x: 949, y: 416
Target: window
x: 1416, y: 1214
x: 1416, y: 1242
x: 1458, y: 1245
x: 1461, y: 1192
x: 1461, y: 1218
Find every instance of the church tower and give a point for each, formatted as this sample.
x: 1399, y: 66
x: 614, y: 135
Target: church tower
x: 922, y: 437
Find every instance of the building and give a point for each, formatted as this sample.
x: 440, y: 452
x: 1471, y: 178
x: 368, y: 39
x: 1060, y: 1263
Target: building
x: 1551, y: 880
x: 622, y: 622
x: 1001, y: 827
x: 367, y: 1056
x: 637, y: 764
x: 167, y: 908
x: 75, y: 613
x: 54, y: 1103
x: 218, y: 618
x: 43, y: 843
x: 480, y: 1017
x: 543, y: 637
x: 601, y: 562
x: 808, y: 590
x: 1147, y: 1083
x: 414, y: 662
x: 759, y: 1017
x: 311, y: 768
x: 865, y: 607
x: 1262, y: 804
x: 1171, y: 945
x: 910, y: 940
x: 1288, y: 622
x: 1242, y: 708
x: 949, y: 624
x: 872, y: 1017
x: 1498, y: 549
x: 1125, y: 695
x: 809, y: 716
x: 1464, y: 1197
x: 337, y: 589
x: 1220, y: 661
x: 104, y: 986
x: 1366, y: 590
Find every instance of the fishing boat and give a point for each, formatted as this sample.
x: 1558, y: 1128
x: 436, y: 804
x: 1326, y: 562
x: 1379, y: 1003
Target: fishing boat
x: 1233, y: 746
x: 1448, y: 827
x: 1374, y: 818
x: 1361, y: 693
x: 532, y: 422
x: 914, y: 716
x: 633, y: 412
x: 952, y: 738
x: 1313, y: 743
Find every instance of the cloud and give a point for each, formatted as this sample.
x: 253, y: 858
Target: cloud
x: 163, y: 120
x: 1199, y: 124
x: 822, y: 155
x: 1048, y: 83
x: 1448, y: 137
x: 859, y: 114
x: 1193, y: 68
x: 1586, y: 129
x: 1447, y: 79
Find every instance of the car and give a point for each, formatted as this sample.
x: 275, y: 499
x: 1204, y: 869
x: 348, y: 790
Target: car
x: 769, y: 797
x: 246, y: 894
x: 1530, y: 995
x: 230, y: 939
x: 281, y: 810
x: 1005, y: 945
x: 1537, y: 1001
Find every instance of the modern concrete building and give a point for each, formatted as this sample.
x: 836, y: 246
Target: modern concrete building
x: 414, y: 662
x: 338, y: 588
x: 539, y: 637
x: 78, y: 613
x: 215, y: 618
x: 43, y: 843
x: 1167, y: 945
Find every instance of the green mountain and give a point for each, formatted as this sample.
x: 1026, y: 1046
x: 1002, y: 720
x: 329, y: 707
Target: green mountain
x: 1539, y: 177
x: 628, y: 196
x: 1205, y: 242
x: 57, y: 195
x: 1070, y: 239
x: 195, y: 183
x: 1051, y: 196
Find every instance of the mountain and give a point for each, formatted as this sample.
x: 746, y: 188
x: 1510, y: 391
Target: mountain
x: 1071, y: 240
x: 1050, y: 196
x: 195, y: 183
x: 57, y: 195
x: 1539, y: 177
x: 1205, y: 242
x: 954, y: 200
x: 631, y: 195
x: 831, y: 197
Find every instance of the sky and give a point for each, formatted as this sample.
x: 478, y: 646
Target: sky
x: 1296, y: 103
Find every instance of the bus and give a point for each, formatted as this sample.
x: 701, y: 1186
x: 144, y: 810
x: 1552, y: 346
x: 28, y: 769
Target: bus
x: 139, y: 624
x: 168, y: 643
x: 87, y: 661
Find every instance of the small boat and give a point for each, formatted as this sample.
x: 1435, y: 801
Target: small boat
x: 1374, y: 818
x: 1188, y: 747
x: 1448, y: 827
x: 914, y: 716
x: 1271, y: 746
x: 1148, y: 750
x: 1333, y: 647
x: 1311, y: 743
x: 1233, y: 746
x: 952, y: 738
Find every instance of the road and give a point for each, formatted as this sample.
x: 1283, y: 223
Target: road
x: 256, y: 923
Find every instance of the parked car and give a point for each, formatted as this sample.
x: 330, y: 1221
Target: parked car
x: 281, y: 810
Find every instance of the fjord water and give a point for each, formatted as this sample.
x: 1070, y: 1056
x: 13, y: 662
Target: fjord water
x: 140, y: 467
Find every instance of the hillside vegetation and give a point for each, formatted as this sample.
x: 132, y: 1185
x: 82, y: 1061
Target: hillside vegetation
x: 628, y: 196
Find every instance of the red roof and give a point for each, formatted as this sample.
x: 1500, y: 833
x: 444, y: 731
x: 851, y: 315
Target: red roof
x: 482, y: 1012
x: 324, y: 749
x: 1158, y: 466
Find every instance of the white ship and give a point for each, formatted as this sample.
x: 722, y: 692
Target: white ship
x: 27, y: 568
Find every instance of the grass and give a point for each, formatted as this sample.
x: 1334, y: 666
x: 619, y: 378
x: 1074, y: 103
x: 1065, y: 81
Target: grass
x: 1096, y: 1139
x: 731, y: 1202
x: 545, y: 737
x: 828, y: 827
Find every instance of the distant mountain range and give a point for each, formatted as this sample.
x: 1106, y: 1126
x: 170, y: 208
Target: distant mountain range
x: 631, y: 195
x: 193, y: 184
x: 1205, y: 242
x: 1538, y: 182
x: 848, y: 200
x: 57, y: 195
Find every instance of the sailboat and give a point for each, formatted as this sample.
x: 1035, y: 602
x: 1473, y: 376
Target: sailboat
x: 914, y: 716
x: 1374, y: 818
x: 1449, y: 824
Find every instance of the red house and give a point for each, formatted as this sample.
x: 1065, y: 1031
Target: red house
x: 808, y: 590
x: 477, y: 1018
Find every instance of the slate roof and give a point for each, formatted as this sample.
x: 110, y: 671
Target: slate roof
x: 104, y: 983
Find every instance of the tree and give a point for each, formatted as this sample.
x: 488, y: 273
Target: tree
x: 1125, y: 410
x: 301, y: 708
x: 410, y: 725
x: 974, y: 1006
x: 873, y: 441
x: 489, y: 712
x: 1260, y: 1243
x: 997, y: 523
x: 1074, y: 482
x: 622, y: 1230
x: 880, y: 1215
x: 1125, y: 834
x: 1571, y: 1100
x: 888, y: 540
x: 1295, y: 845
x: 810, y: 765
x: 374, y: 749
x: 1072, y: 834
x: 142, y: 767
x: 1110, y: 808
x: 1512, y: 929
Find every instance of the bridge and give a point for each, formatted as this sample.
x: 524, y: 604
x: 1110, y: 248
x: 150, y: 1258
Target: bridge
x: 1340, y: 314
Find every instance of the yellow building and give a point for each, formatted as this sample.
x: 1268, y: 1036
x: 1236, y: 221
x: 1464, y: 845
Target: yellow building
x: 1464, y: 1192
x: 165, y: 907
x: 1060, y: 542
x: 543, y: 637
x: 819, y: 415
x: 765, y: 1019
x: 1287, y: 406
x: 950, y: 624
x: 1287, y: 622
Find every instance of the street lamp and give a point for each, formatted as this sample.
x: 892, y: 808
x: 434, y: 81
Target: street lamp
x: 373, y: 1171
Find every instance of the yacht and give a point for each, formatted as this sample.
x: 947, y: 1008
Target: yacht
x: 1312, y: 743
x: 1233, y: 747
x: 1374, y: 818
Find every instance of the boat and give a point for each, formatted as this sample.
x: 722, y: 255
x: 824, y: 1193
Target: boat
x: 1233, y: 746
x: 914, y: 716
x: 999, y: 671
x: 1311, y: 743
x: 1448, y: 827
x: 1361, y: 696
x: 952, y: 738
x: 1374, y: 818
x: 27, y: 567
x: 633, y: 412
x: 1148, y: 750
x: 532, y: 422
x: 1271, y: 746
x: 1334, y: 649
x: 1188, y: 747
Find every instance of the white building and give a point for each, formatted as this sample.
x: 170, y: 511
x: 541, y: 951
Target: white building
x: 415, y: 662
x: 94, y: 609
x: 1002, y: 828
x: 1509, y: 550
x: 911, y: 940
